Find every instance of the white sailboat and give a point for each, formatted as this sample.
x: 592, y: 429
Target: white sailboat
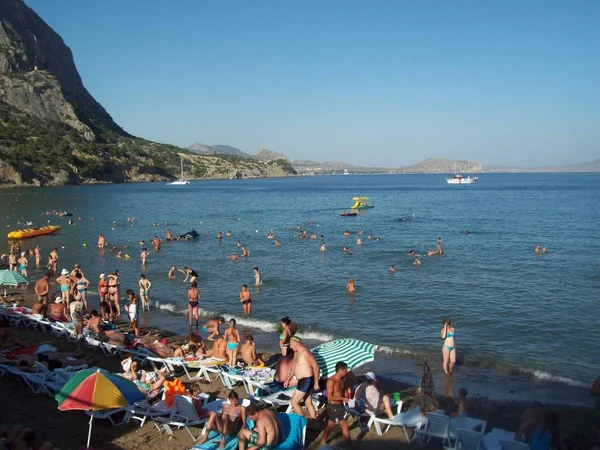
x: 459, y: 179
x: 181, y: 181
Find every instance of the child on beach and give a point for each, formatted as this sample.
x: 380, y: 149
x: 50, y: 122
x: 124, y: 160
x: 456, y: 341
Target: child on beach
x: 462, y: 403
x: 133, y: 312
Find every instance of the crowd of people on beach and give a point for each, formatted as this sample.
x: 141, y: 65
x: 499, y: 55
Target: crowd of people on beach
x: 296, y: 366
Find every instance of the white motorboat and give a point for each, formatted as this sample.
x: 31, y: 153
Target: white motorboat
x: 459, y: 179
x: 181, y: 181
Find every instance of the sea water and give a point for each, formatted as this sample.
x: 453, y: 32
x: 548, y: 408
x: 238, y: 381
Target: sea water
x: 525, y: 323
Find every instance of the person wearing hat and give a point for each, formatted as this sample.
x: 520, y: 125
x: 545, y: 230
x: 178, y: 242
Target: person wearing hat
x: 58, y: 311
x: 369, y: 398
x: 65, y: 283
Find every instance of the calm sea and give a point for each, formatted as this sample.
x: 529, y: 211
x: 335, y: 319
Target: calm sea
x: 525, y: 323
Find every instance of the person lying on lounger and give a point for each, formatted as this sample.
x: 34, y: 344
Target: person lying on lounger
x: 53, y: 360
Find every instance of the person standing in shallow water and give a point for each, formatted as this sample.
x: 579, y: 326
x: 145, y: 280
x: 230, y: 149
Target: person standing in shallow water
x: 193, y: 303
x: 245, y: 299
x: 448, y: 349
x: 257, y: 277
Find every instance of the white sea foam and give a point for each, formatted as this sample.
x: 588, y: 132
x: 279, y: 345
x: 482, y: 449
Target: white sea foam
x: 540, y: 375
x: 394, y: 351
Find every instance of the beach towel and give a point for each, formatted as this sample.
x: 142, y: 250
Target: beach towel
x: 293, y: 430
x: 45, y: 348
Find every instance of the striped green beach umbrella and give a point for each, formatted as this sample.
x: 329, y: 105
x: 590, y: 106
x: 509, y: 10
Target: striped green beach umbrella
x: 11, y: 278
x: 353, y: 352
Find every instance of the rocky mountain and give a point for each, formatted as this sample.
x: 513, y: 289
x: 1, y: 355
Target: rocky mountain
x: 52, y: 131
x: 198, y: 147
x: 266, y: 155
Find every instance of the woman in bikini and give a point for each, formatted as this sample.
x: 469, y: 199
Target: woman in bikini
x: 448, y: 349
x: 23, y: 263
x: 245, y: 299
x: 232, y: 420
x: 81, y: 285
x: 144, y: 285
x: 286, y: 333
x: 232, y: 336
x: 113, y: 294
x: 193, y: 302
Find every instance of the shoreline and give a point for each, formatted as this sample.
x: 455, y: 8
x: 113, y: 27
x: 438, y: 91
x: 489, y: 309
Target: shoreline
x: 482, y: 383
x: 576, y: 422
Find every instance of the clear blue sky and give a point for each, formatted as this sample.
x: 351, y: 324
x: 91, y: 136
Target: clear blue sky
x: 373, y: 83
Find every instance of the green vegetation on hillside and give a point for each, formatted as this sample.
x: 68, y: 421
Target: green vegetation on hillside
x: 39, y: 148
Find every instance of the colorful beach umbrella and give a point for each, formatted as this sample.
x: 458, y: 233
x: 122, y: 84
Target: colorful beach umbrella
x: 353, y: 352
x: 11, y: 278
x: 95, y: 389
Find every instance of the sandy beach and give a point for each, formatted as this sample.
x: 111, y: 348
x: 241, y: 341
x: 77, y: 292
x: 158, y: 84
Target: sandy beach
x: 69, y: 429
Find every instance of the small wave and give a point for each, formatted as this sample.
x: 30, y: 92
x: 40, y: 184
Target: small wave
x: 540, y: 375
x: 394, y: 351
x: 170, y: 307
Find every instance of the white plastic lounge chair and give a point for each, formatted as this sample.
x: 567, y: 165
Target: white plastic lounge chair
x: 409, y: 419
x: 467, y: 440
x: 184, y: 415
x: 436, y: 425
x: 513, y: 445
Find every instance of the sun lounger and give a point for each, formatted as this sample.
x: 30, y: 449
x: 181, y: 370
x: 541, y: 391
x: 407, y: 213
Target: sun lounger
x: 183, y: 415
x: 294, y: 430
x: 435, y: 425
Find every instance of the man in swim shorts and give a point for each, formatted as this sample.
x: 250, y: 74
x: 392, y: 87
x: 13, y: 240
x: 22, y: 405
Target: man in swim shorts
x: 335, y: 403
x: 267, y: 432
x: 306, y: 371
x: 42, y: 287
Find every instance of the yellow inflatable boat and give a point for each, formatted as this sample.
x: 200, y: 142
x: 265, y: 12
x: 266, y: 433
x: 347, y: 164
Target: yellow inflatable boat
x: 33, y: 232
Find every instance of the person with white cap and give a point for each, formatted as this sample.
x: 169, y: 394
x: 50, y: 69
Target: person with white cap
x: 369, y: 398
x: 65, y: 282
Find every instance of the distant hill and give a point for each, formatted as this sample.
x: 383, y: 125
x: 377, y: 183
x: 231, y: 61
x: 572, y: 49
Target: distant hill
x: 430, y: 165
x: 590, y: 166
x: 266, y: 155
x: 441, y: 165
x: 203, y: 149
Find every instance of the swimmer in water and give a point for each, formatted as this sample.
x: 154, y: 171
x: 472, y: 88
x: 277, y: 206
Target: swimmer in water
x: 392, y: 269
x: 544, y: 250
x: 233, y: 257
x: 101, y: 241
x: 431, y: 252
x: 228, y: 234
x: 119, y: 254
x: 466, y: 232
x: 277, y: 243
x: 347, y: 250
x: 169, y: 236
x: 172, y: 271
x: 245, y: 252
x: 417, y: 261
x: 537, y: 249
x: 359, y: 241
x: 143, y: 256
x: 219, y: 235
x: 350, y: 288
x: 257, y: 277
x: 270, y: 235
x: 346, y: 233
x: 239, y: 244
x: 323, y: 247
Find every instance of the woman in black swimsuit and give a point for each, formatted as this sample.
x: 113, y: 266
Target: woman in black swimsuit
x: 191, y: 274
x: 193, y: 301
x: 245, y: 299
